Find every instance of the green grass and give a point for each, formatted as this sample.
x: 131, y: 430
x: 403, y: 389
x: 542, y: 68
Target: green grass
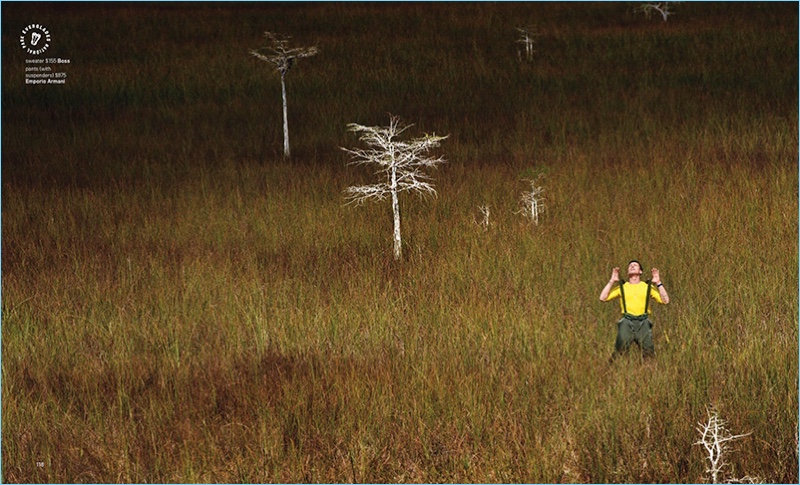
x: 181, y: 305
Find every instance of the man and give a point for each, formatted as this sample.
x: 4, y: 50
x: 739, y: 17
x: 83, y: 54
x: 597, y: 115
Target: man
x: 634, y: 295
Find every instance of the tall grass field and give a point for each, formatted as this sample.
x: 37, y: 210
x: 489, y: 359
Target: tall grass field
x: 182, y: 304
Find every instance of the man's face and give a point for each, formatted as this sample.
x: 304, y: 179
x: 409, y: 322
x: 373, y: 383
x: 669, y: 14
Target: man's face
x: 634, y: 268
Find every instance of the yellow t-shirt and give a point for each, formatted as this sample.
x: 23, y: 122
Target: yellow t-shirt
x: 635, y: 297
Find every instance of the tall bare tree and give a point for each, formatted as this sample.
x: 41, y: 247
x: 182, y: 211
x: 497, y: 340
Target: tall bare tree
x: 278, y: 53
x: 402, y: 165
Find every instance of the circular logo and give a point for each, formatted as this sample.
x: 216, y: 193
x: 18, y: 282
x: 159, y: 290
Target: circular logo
x: 35, y: 39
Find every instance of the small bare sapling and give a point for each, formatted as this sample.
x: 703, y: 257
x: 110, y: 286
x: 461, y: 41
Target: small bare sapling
x: 532, y: 201
x: 484, y: 222
x: 527, y: 37
x: 715, y: 437
x: 662, y: 8
x: 401, y: 164
x: 278, y: 53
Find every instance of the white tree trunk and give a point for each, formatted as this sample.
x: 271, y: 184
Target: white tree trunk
x: 396, y: 211
x: 285, y: 119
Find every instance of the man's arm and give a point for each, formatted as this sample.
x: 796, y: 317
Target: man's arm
x: 660, y: 286
x: 607, y: 289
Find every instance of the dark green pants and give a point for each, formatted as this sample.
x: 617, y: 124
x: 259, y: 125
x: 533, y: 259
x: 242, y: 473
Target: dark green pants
x: 634, y: 329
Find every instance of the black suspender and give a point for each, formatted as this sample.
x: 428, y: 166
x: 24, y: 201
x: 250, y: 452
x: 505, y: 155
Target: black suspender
x: 622, y: 295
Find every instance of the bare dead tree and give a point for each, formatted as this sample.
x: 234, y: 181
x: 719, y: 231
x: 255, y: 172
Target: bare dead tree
x: 715, y: 437
x: 662, y: 8
x: 484, y: 222
x: 278, y: 53
x: 402, y: 166
x: 532, y: 201
x: 527, y: 39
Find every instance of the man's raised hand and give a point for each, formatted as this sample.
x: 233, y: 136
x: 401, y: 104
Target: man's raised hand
x: 656, y: 277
